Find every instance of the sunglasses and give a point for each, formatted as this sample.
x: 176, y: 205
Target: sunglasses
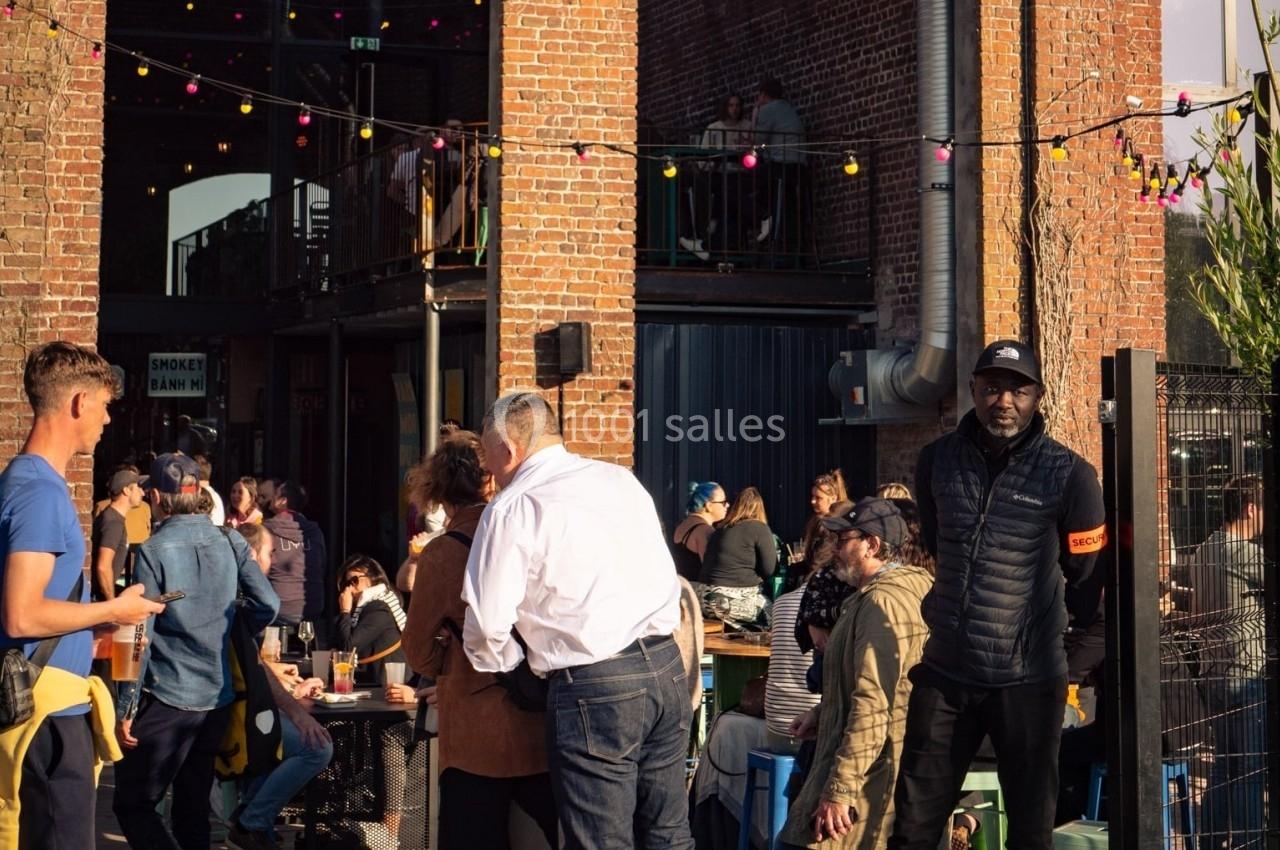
x: 353, y: 579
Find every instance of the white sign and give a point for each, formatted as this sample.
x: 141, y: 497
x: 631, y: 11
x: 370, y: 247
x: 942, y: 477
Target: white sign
x: 176, y: 375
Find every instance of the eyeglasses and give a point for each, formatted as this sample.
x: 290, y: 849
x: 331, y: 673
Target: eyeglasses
x: 718, y: 502
x: 353, y: 579
x: 849, y: 536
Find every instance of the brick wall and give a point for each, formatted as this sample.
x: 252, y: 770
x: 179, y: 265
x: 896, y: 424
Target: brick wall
x: 849, y: 67
x: 567, y: 238
x: 50, y: 191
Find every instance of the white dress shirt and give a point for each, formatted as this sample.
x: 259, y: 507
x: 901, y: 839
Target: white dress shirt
x: 570, y: 553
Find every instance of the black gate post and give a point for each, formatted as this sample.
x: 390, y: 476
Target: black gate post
x: 1135, y: 801
x: 1271, y: 608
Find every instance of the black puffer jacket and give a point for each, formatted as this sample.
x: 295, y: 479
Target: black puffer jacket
x: 1010, y: 529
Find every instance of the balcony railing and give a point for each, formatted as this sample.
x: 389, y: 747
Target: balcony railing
x: 377, y: 216
x: 412, y: 205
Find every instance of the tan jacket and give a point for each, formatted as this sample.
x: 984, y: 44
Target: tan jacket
x: 481, y: 730
x: 863, y: 714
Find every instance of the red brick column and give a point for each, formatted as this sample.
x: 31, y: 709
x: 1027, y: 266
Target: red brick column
x: 566, y: 243
x: 50, y: 192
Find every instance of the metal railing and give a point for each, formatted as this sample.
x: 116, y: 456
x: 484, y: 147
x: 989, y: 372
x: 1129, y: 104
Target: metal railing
x: 717, y: 212
x: 377, y: 216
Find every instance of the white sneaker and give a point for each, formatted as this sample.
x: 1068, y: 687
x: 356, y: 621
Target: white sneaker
x: 376, y: 836
x: 712, y: 227
x: 765, y: 227
x: 694, y: 246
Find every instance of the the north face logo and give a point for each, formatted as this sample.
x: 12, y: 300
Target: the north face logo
x: 1008, y: 353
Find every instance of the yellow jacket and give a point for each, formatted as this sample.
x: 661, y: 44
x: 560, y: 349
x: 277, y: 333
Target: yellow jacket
x: 55, y: 690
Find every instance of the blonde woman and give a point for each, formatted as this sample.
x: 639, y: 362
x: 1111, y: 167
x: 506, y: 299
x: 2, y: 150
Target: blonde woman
x: 740, y: 555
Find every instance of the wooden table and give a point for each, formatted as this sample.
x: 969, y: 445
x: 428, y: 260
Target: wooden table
x: 734, y: 662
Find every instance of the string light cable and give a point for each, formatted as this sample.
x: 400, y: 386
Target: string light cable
x: 843, y: 151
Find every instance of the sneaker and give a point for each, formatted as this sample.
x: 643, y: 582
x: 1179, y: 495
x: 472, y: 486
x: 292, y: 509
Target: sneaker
x: 765, y: 227
x: 376, y: 836
x: 694, y: 246
x: 244, y: 839
x: 712, y: 227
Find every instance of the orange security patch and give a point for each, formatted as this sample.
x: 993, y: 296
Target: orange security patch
x: 1084, y: 542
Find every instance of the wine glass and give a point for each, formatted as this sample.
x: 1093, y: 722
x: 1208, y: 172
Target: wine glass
x: 306, y: 634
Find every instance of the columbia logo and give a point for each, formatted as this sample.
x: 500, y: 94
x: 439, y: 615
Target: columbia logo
x: 1030, y: 500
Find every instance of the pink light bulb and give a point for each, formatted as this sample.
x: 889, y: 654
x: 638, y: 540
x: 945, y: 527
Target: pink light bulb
x: 8, y: 11
x: 1226, y: 155
x: 438, y: 143
x: 239, y: 16
x: 1184, y: 97
x: 435, y: 22
x: 1196, y: 182
x: 304, y: 117
x: 192, y: 87
x: 1144, y: 198
x: 337, y: 14
x: 942, y: 154
x: 1162, y: 201
x: 96, y: 53
x: 583, y: 156
x: 750, y: 160
x: 1174, y: 197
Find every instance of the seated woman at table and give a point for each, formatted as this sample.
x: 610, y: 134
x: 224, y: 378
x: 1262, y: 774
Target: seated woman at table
x: 491, y: 753
x: 307, y: 745
x: 370, y: 622
x: 706, y: 506
x: 740, y: 554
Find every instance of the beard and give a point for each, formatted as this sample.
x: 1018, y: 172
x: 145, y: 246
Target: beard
x: 1004, y: 432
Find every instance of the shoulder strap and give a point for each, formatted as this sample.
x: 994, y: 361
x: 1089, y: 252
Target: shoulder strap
x: 378, y: 656
x: 684, y: 541
x: 45, y: 650
x: 465, y: 541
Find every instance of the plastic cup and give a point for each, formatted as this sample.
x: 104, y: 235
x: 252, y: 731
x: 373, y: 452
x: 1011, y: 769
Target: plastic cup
x: 271, y: 644
x: 126, y: 652
x: 320, y: 664
x: 393, y: 672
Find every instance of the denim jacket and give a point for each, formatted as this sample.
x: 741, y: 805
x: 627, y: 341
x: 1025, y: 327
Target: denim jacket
x: 185, y: 664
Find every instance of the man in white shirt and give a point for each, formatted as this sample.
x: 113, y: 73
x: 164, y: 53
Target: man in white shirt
x: 571, y: 555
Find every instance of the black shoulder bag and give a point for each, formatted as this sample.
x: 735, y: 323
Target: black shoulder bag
x: 525, y: 688
x: 18, y: 674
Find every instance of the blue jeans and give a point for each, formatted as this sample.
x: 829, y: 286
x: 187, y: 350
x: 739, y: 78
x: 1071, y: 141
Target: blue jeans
x: 617, y: 732
x: 267, y: 795
x: 1232, y: 809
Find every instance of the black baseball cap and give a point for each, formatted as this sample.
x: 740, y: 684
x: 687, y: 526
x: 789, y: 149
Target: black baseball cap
x: 168, y: 471
x: 880, y: 517
x: 1011, y: 356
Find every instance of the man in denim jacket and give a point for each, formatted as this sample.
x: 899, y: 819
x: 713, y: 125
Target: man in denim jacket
x: 186, y: 690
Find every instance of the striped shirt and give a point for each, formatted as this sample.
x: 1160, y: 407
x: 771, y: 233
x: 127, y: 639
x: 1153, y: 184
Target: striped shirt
x: 785, y: 693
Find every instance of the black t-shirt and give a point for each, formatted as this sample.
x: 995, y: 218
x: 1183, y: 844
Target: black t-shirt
x: 109, y: 532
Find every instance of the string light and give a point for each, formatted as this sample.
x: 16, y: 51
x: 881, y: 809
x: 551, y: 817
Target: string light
x: 1154, y: 180
x: 850, y: 164
x: 495, y: 148
x: 151, y: 191
x: 246, y: 105
x: 581, y: 150
x: 224, y: 147
x: 1198, y: 174
x: 1174, y: 197
x: 1162, y: 200
x: 385, y: 25
x: 1119, y: 139
x: 293, y: 16
x: 437, y: 141
x: 187, y: 168
x: 1057, y: 149
x: 751, y: 158
x: 1171, y: 175
x: 669, y: 169
x: 304, y: 115
x: 191, y: 7
x: 193, y: 84
x: 1144, y: 196
x: 1183, y: 108
x: 944, y: 151
x: 366, y: 130
x: 9, y: 7
x: 96, y: 52
x: 1135, y: 169
x: 53, y: 29
x: 1127, y: 161
x: 144, y: 67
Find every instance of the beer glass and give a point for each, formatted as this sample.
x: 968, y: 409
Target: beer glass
x: 126, y: 652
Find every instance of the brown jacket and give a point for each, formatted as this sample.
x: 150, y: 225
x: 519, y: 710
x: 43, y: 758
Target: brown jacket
x: 481, y: 731
x: 863, y: 714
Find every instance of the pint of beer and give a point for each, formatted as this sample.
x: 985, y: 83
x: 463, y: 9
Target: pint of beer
x: 126, y: 652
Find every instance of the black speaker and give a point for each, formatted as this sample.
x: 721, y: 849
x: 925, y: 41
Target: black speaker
x: 575, y: 347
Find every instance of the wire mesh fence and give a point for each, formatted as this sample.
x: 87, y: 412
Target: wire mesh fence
x: 1213, y: 436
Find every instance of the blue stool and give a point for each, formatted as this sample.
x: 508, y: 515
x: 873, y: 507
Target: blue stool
x: 1175, y: 774
x: 779, y: 768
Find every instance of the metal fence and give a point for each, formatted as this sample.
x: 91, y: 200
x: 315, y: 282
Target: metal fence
x: 1193, y: 481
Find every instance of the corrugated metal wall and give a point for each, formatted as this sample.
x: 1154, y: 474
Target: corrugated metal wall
x: 688, y: 374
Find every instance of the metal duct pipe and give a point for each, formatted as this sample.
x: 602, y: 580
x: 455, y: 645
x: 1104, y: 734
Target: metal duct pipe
x: 924, y: 374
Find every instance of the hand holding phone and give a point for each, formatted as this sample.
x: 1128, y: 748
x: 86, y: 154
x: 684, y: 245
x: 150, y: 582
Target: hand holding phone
x: 166, y: 598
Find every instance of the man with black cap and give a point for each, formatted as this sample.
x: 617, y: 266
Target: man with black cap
x: 847, y: 797
x: 1016, y: 521
x: 110, y: 534
x: 170, y: 723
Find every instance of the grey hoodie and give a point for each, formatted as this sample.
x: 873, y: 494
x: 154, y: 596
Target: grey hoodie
x: 298, y: 566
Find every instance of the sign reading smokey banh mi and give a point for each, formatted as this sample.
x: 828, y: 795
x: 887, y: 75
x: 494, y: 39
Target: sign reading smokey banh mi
x: 176, y: 375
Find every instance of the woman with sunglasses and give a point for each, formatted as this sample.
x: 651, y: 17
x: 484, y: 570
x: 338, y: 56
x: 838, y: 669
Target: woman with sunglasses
x: 707, y: 506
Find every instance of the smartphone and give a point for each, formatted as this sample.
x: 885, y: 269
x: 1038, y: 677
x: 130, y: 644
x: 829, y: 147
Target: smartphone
x: 166, y: 598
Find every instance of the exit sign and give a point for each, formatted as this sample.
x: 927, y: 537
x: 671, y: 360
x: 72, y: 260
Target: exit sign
x: 358, y: 43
